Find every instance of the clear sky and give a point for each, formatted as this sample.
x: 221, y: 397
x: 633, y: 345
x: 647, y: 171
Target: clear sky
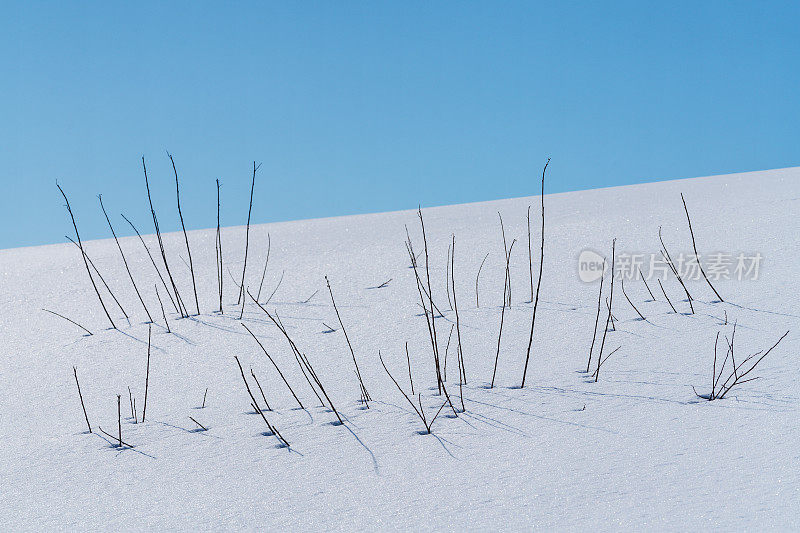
x: 359, y: 107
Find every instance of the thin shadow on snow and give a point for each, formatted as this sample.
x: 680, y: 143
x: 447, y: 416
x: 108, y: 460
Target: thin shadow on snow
x: 215, y: 326
x: 192, y: 430
x: 492, y: 422
x: 358, y: 439
x: 187, y: 340
x: 140, y: 341
x: 114, y: 446
x: 440, y: 440
x: 542, y: 417
x: 371, y: 454
x: 762, y: 310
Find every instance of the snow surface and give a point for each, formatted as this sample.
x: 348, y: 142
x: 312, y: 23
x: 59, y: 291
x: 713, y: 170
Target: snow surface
x: 636, y: 450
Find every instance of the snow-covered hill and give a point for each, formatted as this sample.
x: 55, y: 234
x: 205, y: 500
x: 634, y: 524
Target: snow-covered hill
x: 636, y: 449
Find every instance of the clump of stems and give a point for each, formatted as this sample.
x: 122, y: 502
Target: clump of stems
x: 420, y: 411
x: 738, y: 372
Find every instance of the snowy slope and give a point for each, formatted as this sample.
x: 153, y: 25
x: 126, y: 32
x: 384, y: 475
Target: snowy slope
x: 637, y: 449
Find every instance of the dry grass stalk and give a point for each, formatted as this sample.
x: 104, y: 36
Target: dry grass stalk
x: 83, y: 256
x: 68, y: 320
x: 124, y: 261
x: 538, y: 284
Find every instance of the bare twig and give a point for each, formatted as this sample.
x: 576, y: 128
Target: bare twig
x: 434, y: 338
x: 668, y: 260
x: 263, y: 396
x: 247, y: 234
x: 109, y: 435
x: 530, y: 252
x: 83, y: 256
x: 611, y: 301
x: 478, y: 275
x: 538, y: 284
x: 147, y: 378
x: 266, y: 262
x: 365, y: 397
x: 119, y: 418
x: 75, y: 371
x: 68, y: 320
x: 102, y: 279
x: 276, y: 367
x: 218, y: 249
x: 622, y: 283
x: 163, y: 314
x: 447, y: 281
x: 447, y: 348
x: 199, y: 424
x: 600, y: 363
x: 461, y: 383
x: 613, y: 318
x: 429, y: 318
x: 302, y: 358
x: 506, y: 252
x: 124, y: 261
x: 255, y: 406
x: 667, y: 297
x: 694, y: 245
x: 276, y: 288
x: 597, y: 317
x: 178, y: 302
x: 244, y: 301
x: 646, y: 285
x: 133, y: 411
x: 503, y: 311
x: 462, y: 373
x: 146, y: 249
x: 410, y: 378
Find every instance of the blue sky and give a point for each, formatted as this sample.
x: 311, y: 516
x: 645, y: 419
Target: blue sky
x: 357, y: 107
